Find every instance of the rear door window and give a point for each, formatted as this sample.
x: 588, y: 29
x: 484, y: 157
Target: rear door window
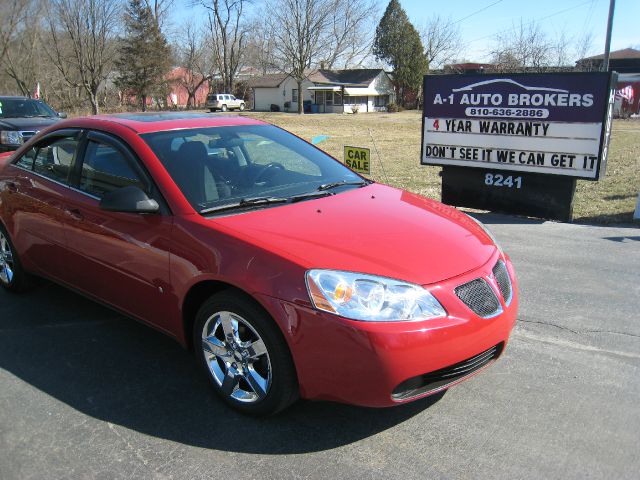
x: 53, y: 160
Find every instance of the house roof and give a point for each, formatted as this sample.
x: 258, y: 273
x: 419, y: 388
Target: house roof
x: 357, y: 77
x: 361, y: 77
x: 626, y: 53
x: 181, y: 73
x: 271, y: 80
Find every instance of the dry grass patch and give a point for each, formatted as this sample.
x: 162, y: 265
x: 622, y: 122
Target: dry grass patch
x: 396, y: 136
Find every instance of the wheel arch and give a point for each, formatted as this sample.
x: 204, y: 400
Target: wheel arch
x: 199, y: 293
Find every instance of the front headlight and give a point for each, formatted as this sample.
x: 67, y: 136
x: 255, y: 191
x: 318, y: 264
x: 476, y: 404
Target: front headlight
x: 488, y: 232
x: 359, y: 296
x: 10, y: 137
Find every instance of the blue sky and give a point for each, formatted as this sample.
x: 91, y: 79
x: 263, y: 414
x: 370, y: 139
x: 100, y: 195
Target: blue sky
x: 573, y: 16
x: 480, y: 20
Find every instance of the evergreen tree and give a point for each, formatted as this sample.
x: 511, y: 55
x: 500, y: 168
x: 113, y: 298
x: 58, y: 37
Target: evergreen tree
x: 145, y: 56
x: 398, y: 44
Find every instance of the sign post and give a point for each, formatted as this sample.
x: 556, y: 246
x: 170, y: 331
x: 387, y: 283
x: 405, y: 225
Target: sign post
x: 517, y: 143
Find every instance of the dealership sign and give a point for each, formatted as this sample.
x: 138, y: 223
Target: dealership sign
x: 556, y: 124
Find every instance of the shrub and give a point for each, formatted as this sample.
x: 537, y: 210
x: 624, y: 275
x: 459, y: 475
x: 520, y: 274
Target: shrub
x: 392, y: 107
x: 275, y: 108
x: 355, y: 108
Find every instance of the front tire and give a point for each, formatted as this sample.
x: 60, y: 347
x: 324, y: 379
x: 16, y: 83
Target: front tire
x: 242, y: 107
x: 244, y: 355
x: 13, y: 278
x: 224, y: 108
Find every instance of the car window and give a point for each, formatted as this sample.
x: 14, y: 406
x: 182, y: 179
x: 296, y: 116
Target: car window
x: 24, y: 107
x: 263, y: 151
x: 54, y: 160
x: 26, y: 160
x: 218, y: 165
x: 106, y: 169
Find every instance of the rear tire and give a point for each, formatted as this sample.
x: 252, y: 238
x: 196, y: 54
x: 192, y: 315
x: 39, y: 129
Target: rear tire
x: 244, y: 355
x: 212, y: 110
x: 13, y: 278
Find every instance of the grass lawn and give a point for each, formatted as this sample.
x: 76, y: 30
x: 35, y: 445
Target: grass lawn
x: 396, y: 136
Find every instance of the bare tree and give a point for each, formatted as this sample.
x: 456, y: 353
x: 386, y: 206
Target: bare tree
x: 442, y: 41
x: 260, y: 51
x: 228, y: 37
x: 349, y: 33
x: 299, y: 28
x: 583, y: 48
x: 559, y: 54
x: 160, y: 10
x: 11, y: 15
x: 195, y: 57
x: 83, y: 46
x: 23, y: 59
x: 525, y: 46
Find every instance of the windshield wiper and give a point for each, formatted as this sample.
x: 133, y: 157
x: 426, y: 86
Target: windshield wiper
x: 245, y: 202
x: 329, y: 186
x: 306, y: 196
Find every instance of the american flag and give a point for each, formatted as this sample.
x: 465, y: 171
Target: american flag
x: 626, y: 93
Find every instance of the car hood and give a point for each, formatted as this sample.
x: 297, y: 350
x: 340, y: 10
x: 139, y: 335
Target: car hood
x: 27, y: 123
x: 376, y: 229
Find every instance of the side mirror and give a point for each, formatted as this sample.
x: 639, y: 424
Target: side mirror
x: 62, y: 115
x: 129, y: 200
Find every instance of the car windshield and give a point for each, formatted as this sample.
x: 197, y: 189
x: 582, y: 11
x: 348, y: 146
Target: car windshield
x: 249, y: 166
x: 23, y: 107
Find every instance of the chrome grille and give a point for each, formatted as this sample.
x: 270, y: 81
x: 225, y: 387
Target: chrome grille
x: 479, y: 297
x: 27, y: 134
x: 504, y: 282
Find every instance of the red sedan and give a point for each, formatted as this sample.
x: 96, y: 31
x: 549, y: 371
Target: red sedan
x: 285, y: 272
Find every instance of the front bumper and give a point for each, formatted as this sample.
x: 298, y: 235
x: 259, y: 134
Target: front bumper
x: 367, y: 363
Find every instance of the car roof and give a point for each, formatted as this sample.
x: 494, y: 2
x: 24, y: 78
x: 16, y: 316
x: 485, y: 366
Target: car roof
x: 15, y: 97
x: 147, y: 122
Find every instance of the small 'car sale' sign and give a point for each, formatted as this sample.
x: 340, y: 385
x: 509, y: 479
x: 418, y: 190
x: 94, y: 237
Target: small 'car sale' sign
x: 358, y: 159
x: 543, y: 123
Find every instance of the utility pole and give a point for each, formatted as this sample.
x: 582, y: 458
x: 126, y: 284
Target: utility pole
x: 607, y: 43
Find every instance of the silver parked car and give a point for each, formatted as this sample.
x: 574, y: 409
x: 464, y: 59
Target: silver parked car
x: 224, y: 102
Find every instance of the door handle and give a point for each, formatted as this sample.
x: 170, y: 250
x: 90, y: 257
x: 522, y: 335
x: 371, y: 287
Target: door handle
x: 74, y: 213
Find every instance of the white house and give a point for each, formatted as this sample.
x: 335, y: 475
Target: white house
x: 277, y: 89
x: 337, y: 91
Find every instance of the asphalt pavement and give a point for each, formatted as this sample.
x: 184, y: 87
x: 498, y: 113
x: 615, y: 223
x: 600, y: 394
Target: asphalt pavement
x: 86, y: 393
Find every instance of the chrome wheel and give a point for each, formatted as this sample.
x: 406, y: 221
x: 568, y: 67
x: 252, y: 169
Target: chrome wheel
x: 236, y: 357
x: 6, y: 260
